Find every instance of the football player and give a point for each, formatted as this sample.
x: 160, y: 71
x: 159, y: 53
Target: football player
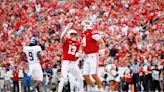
x: 70, y: 47
x: 92, y: 40
x: 32, y: 54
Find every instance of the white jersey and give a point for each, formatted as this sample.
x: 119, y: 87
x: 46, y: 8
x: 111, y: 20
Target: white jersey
x: 31, y: 53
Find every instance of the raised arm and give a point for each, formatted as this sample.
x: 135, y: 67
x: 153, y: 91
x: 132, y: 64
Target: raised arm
x: 62, y: 39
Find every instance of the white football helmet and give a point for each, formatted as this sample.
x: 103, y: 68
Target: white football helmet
x: 71, y: 31
x: 87, y: 24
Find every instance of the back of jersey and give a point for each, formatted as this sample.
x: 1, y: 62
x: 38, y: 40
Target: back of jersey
x: 31, y: 53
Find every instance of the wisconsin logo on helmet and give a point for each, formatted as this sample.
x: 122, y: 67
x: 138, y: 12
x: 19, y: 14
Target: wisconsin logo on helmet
x: 87, y: 24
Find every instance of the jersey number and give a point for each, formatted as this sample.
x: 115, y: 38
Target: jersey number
x: 31, y: 56
x: 72, y: 50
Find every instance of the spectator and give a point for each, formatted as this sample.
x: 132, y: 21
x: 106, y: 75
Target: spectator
x: 1, y: 79
x: 26, y: 80
x: 135, y: 77
x: 113, y: 77
x: 16, y: 79
x: 142, y: 77
x: 7, y: 78
x: 162, y: 77
x: 156, y: 76
x: 106, y: 81
x: 127, y: 78
x: 113, y: 52
x: 149, y: 77
x: 45, y: 77
x: 49, y: 73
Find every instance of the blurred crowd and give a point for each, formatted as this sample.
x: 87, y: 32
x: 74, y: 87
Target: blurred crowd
x: 132, y: 29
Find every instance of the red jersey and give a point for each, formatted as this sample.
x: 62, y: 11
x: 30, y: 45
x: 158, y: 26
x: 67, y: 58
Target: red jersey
x: 15, y: 75
x: 69, y: 50
x: 89, y: 44
x: 149, y: 69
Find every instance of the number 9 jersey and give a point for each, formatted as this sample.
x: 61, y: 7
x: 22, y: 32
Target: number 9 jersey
x: 31, y: 53
x: 69, y: 49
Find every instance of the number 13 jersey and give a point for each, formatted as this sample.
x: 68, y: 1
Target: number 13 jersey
x: 69, y: 49
x: 31, y: 53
